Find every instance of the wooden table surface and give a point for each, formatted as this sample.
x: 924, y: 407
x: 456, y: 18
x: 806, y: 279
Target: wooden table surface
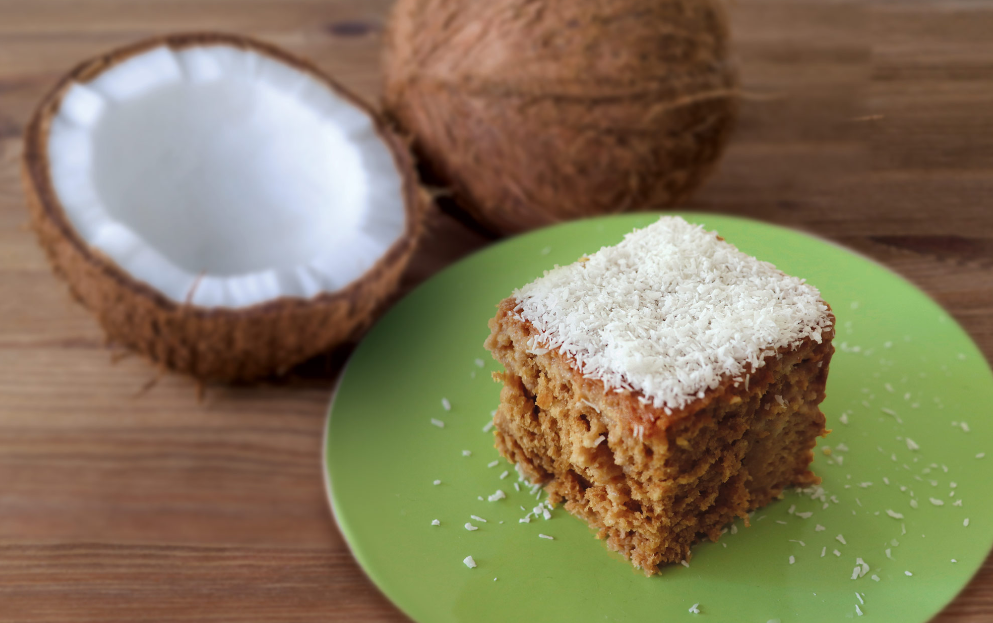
x: 124, y: 497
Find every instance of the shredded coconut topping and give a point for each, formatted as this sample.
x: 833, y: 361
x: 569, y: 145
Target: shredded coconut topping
x: 670, y: 312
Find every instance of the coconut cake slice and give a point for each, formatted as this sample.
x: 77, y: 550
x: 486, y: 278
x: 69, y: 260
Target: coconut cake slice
x: 662, y: 387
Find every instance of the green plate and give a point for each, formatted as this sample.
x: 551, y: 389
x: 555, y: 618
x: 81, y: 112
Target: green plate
x: 905, y: 376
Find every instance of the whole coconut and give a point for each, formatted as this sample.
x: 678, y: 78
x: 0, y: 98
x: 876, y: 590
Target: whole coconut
x: 541, y: 111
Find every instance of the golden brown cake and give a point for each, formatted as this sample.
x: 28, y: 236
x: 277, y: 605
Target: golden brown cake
x: 662, y: 387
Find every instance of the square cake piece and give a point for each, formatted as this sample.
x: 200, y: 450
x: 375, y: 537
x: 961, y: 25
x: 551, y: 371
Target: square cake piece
x: 662, y: 387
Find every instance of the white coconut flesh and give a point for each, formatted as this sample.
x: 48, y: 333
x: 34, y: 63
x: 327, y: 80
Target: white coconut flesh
x: 222, y: 177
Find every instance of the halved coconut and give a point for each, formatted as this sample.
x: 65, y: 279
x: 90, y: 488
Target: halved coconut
x: 220, y: 205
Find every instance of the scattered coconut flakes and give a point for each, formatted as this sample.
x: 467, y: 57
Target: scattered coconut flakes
x: 599, y: 440
x: 862, y: 567
x: 480, y: 363
x: 734, y: 529
x: 912, y: 445
x: 684, y: 563
x: 493, y: 463
x: 886, y: 480
x: 438, y: 423
x: 781, y: 522
x: 545, y: 536
x: 488, y: 427
x: 695, y: 609
x: 470, y: 527
x: 478, y: 518
x: 953, y: 560
x: 937, y: 502
x: 719, y: 312
x: 447, y: 406
x: 966, y: 522
x: 479, y: 497
x: 467, y: 453
x: 892, y: 413
x: 907, y: 573
x: 841, y: 539
x: 980, y: 455
x: 504, y: 475
x: 861, y: 601
x: 894, y: 514
x: 435, y: 522
x: 889, y: 553
x: 802, y: 544
x: 913, y: 503
x: 903, y: 528
x: 819, y: 528
x: 517, y: 487
x: 499, y: 495
x: 857, y: 610
x: 843, y: 418
x: 436, y: 483
x: 836, y: 552
x: 840, y: 459
x: 874, y: 577
x: 469, y: 562
x: 792, y: 560
x: 964, y: 426
x: 957, y: 503
x: 792, y: 509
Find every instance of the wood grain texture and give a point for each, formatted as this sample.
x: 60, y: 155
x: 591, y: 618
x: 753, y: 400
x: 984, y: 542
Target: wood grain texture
x: 124, y: 497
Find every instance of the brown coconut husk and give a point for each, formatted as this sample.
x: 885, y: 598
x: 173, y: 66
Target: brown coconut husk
x: 538, y: 112
x: 215, y: 344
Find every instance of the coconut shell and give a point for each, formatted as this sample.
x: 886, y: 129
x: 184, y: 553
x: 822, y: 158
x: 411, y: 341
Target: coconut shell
x: 538, y: 112
x: 210, y: 343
